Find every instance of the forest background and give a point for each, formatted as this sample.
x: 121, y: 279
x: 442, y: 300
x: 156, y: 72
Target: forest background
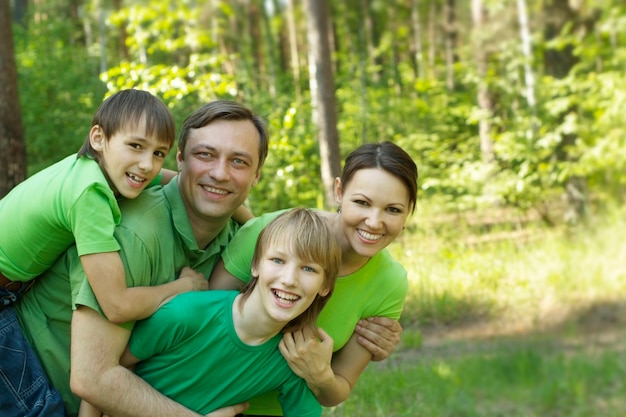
x: 513, y: 111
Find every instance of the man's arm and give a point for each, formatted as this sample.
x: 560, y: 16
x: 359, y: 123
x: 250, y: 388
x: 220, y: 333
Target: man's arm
x: 98, y: 378
x: 379, y: 335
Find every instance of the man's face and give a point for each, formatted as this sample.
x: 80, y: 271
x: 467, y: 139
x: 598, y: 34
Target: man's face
x: 220, y: 165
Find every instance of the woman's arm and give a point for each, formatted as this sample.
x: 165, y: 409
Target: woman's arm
x: 221, y: 279
x: 379, y: 335
x: 330, y: 376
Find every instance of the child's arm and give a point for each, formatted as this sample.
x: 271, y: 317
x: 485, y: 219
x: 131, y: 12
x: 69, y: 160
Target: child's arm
x: 167, y: 175
x: 119, y: 303
x: 242, y: 215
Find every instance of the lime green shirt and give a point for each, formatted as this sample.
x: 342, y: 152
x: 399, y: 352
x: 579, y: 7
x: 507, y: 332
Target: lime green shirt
x: 379, y: 288
x: 66, y: 203
x: 156, y: 241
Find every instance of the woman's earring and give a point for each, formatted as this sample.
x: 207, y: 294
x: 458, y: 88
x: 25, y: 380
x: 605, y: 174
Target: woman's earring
x: 339, y: 209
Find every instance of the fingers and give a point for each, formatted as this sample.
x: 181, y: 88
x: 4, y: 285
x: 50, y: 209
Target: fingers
x: 230, y: 411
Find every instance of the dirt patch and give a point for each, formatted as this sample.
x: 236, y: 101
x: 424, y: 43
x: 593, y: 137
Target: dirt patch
x: 592, y: 328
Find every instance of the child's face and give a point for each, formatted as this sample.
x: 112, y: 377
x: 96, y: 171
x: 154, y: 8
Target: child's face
x: 287, y: 285
x: 130, y: 158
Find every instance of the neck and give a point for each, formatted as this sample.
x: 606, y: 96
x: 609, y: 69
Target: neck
x: 253, y: 326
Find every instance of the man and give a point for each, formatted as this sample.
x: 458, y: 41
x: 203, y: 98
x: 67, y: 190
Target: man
x: 186, y: 223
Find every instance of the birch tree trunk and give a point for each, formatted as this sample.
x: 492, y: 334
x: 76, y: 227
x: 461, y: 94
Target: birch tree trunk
x: 479, y: 17
x: 324, y: 102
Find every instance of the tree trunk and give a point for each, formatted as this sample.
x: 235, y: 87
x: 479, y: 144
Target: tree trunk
x: 451, y: 38
x: 13, y: 154
x: 479, y: 16
x: 293, y: 47
x: 417, y: 39
x: 323, y: 94
x: 558, y: 63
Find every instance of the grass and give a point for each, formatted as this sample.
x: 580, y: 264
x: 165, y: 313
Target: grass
x: 534, y: 328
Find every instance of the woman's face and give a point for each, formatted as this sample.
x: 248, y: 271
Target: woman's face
x: 374, y: 207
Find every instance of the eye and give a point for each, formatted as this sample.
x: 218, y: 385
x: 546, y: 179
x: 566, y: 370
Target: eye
x: 204, y: 154
x: 394, y: 210
x: 135, y: 146
x: 160, y: 154
x: 277, y: 261
x: 361, y: 203
x: 309, y: 269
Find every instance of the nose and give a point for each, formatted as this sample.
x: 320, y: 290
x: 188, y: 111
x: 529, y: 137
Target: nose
x: 219, y: 170
x: 145, y: 163
x: 290, y: 276
x: 374, y: 219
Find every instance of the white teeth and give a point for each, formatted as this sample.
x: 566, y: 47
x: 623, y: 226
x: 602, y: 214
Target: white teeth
x: 215, y: 190
x: 135, y: 178
x: 369, y: 236
x: 283, y: 296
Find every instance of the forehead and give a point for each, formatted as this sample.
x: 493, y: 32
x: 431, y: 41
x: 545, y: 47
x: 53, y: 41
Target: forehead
x: 377, y: 183
x: 232, y: 136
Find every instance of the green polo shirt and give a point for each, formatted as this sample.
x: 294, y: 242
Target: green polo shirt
x: 157, y: 241
x: 66, y: 203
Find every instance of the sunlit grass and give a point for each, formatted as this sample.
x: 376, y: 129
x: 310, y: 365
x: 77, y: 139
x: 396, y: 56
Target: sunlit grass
x: 543, y: 297
x: 530, y: 281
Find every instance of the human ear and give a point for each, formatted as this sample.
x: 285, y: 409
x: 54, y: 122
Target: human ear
x: 338, y: 191
x: 97, y: 139
x: 323, y: 292
x: 179, y: 160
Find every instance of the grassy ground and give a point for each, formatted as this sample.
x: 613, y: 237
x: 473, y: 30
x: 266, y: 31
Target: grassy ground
x: 513, y: 328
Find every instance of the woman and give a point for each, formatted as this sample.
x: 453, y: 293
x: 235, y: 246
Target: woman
x: 376, y: 193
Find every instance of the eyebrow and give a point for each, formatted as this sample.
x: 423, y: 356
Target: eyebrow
x: 365, y: 197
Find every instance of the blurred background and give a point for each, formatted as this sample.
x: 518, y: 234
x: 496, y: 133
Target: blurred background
x: 513, y: 111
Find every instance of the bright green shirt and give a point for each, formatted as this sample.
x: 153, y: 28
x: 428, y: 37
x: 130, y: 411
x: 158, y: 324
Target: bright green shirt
x: 66, y: 203
x: 377, y: 289
x: 190, y: 352
x: 156, y: 241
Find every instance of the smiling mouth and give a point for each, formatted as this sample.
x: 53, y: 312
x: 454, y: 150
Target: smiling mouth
x: 134, y: 178
x: 285, y: 298
x: 214, y: 190
x: 369, y: 236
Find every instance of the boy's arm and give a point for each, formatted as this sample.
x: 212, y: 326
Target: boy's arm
x: 119, y: 303
x: 242, y: 215
x: 167, y: 175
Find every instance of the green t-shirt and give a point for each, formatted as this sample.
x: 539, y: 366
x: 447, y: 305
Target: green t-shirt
x: 156, y: 243
x: 379, y: 288
x: 190, y: 352
x: 66, y: 203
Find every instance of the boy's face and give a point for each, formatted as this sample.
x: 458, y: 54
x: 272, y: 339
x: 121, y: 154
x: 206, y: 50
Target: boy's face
x: 130, y: 158
x: 286, y: 284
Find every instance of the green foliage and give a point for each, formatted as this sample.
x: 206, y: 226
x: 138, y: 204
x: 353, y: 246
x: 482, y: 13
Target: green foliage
x: 59, y: 91
x: 189, y: 53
